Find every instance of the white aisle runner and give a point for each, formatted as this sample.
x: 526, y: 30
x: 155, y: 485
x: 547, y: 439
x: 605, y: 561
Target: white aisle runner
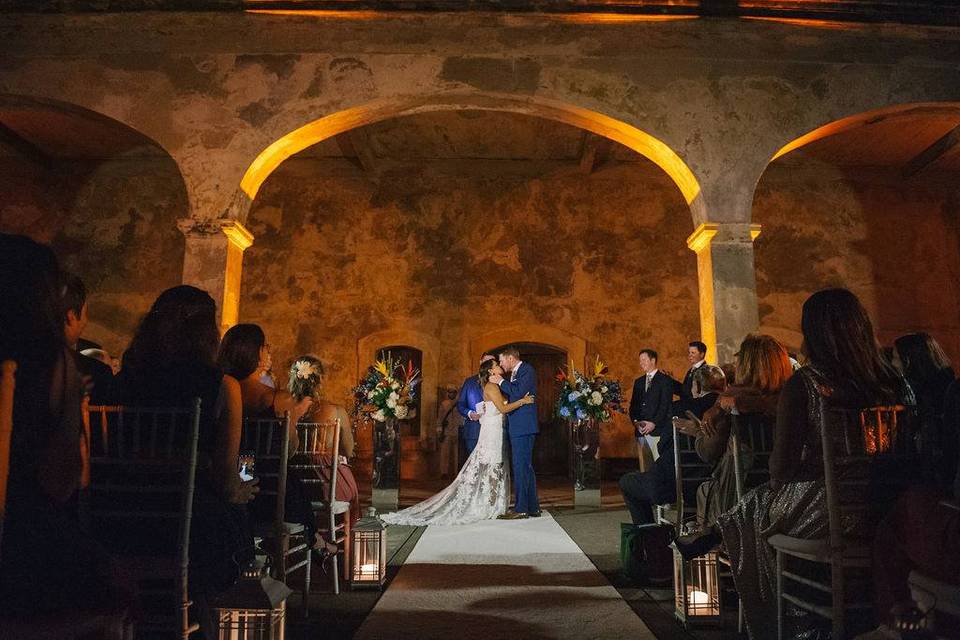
x: 521, y: 579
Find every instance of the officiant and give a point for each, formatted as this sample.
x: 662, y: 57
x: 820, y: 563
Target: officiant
x: 470, y: 396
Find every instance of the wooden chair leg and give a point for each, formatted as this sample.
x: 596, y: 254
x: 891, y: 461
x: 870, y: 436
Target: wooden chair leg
x: 347, y: 537
x: 336, y: 574
x: 308, y: 569
x: 779, y: 595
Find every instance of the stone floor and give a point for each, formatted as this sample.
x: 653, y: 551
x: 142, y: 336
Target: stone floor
x: 595, y: 531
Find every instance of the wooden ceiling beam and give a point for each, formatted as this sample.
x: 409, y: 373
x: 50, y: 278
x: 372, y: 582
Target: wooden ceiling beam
x: 932, y: 153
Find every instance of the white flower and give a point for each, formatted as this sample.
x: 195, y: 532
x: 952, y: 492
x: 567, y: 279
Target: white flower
x: 603, y: 389
x: 392, y: 401
x: 370, y: 395
x: 305, y: 369
x: 379, y: 415
x: 394, y: 385
x: 596, y: 399
x: 401, y: 412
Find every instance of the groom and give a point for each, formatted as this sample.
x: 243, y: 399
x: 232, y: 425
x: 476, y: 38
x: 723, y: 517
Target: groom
x: 522, y: 429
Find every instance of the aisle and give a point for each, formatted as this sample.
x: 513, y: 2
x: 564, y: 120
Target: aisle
x: 500, y: 579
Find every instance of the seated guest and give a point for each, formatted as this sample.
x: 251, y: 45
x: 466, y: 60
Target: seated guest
x: 172, y: 360
x: 650, y: 411
x: 306, y: 382
x: 762, y: 369
x: 75, y: 319
x: 244, y: 354
x: 50, y: 569
x: 927, y: 369
x: 843, y: 362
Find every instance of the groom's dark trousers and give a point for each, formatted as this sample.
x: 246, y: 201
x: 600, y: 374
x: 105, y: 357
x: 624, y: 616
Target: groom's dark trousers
x: 522, y: 429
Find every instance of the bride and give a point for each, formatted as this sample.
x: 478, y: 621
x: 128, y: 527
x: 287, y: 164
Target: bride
x: 479, y: 492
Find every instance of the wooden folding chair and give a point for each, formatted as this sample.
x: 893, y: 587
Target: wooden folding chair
x: 853, y: 442
x: 269, y: 441
x: 319, y: 448
x: 139, y: 503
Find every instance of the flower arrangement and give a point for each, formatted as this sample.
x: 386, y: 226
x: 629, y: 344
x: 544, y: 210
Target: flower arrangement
x: 595, y: 397
x: 386, y: 391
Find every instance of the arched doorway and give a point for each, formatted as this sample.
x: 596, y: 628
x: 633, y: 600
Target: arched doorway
x: 868, y: 203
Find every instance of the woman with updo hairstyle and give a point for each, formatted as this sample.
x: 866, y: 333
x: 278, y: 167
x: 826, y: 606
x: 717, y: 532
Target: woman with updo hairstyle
x: 306, y: 383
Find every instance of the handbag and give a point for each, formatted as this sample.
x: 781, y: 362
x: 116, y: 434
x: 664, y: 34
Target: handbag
x: 645, y: 554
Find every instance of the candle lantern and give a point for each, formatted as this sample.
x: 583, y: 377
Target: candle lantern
x: 369, y: 551
x: 696, y: 586
x: 254, y: 608
x: 879, y: 427
x: 911, y: 622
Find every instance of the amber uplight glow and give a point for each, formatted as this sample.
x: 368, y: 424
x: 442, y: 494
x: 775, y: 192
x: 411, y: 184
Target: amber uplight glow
x: 341, y: 121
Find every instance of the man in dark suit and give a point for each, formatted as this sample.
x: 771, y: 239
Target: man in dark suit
x: 650, y: 410
x: 75, y: 319
x: 522, y: 428
x: 470, y: 396
x: 696, y: 356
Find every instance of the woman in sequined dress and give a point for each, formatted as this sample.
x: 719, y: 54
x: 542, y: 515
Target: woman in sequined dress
x: 845, y: 364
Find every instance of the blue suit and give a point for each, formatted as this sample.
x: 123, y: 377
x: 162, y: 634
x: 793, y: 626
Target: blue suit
x: 470, y: 396
x: 522, y: 428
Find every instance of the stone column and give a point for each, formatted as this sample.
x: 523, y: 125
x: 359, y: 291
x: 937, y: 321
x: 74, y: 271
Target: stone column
x: 213, y: 261
x: 728, y: 286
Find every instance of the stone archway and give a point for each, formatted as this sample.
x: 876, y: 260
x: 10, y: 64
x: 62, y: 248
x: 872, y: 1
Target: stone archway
x: 865, y: 202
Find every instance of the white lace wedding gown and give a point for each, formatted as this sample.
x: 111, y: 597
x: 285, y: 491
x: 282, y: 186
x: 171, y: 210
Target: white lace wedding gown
x: 479, y: 492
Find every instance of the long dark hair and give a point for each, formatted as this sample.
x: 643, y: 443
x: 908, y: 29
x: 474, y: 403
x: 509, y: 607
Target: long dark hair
x: 484, y: 374
x: 922, y: 357
x: 31, y: 325
x: 839, y: 341
x: 31, y: 333
x: 240, y: 350
x: 180, y: 328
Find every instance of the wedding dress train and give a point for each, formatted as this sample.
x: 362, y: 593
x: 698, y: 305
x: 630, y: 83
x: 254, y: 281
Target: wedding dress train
x: 479, y: 491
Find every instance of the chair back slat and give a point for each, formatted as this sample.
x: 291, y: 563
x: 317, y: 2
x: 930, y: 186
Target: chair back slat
x: 754, y: 431
x: 139, y: 500
x: 319, y: 445
x: 8, y: 370
x: 689, y: 473
x: 268, y: 439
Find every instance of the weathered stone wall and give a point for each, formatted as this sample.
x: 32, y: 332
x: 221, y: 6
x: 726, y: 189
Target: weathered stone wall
x: 456, y: 257
x: 113, y: 223
x: 893, y: 242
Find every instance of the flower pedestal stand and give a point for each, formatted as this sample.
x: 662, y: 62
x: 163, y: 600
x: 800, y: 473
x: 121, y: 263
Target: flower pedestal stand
x: 386, y: 465
x: 585, y: 441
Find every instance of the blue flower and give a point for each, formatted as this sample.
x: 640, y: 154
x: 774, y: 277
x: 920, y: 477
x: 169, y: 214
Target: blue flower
x: 581, y: 414
x: 565, y: 412
x: 573, y: 396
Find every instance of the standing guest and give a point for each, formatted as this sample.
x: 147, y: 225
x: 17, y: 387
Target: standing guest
x: 172, y: 360
x: 843, y: 361
x: 75, y: 320
x: 651, y: 401
x: 49, y: 567
x: 650, y: 413
x: 306, y: 381
x: 448, y: 429
x: 696, y: 356
x: 470, y: 396
x: 928, y: 371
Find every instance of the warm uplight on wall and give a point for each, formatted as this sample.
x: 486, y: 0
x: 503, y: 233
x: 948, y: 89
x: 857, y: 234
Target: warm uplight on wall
x: 328, y: 126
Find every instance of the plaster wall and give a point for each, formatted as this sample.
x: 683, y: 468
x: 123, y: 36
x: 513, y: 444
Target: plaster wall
x: 113, y: 223
x: 891, y: 241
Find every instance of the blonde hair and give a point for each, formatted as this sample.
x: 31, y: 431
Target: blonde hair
x: 763, y: 363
